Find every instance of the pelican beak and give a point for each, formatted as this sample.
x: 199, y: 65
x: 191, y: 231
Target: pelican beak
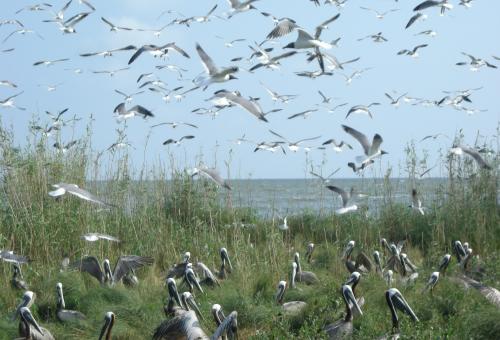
x: 347, y: 251
x: 225, y: 258
x: 190, y: 301
x: 172, y: 291
x: 28, y: 317
x: 351, y: 300
x: 108, y: 322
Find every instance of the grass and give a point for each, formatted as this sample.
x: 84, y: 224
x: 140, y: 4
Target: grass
x: 165, y: 218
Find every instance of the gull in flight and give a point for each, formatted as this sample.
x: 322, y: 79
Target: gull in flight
x: 92, y: 237
x: 239, y: 7
x: 35, y: 8
x: 22, y: 31
x: 359, y: 169
x: 364, y: 109
x: 430, y: 33
x: 460, y: 150
x: 444, y: 4
x: 324, y: 179
x: 377, y: 38
x: 73, y: 189
x: 235, y: 98
x: 137, y: 110
x: 63, y: 148
x: 303, y: 114
x: 475, y: 63
x: 346, y: 197
x: 175, y: 124
x: 372, y: 150
x: 128, y: 97
x: 68, y: 26
x: 49, y: 62
x: 108, y: 53
x: 114, y: 28
x: 210, y: 173
x: 379, y: 15
x: 412, y: 53
x: 177, y: 142
x: 413, y: 19
x: 275, y: 96
x: 111, y: 72
x: 215, y: 75
x: 337, y: 146
x: 293, y: 146
x: 395, y: 101
x: 354, y: 75
x: 9, y: 102
x: 271, y: 62
x: 158, y: 51
x: 7, y: 83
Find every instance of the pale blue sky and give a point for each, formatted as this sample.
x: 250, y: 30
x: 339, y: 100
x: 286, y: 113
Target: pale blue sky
x: 473, y: 30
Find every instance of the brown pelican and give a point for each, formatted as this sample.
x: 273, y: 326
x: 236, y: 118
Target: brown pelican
x: 191, y: 280
x: 63, y: 314
x: 187, y: 326
x: 103, y: 274
x: 173, y: 297
x: 353, y: 281
x: 362, y: 263
x: 443, y: 264
x: 225, y: 261
x: 490, y: 293
x: 17, y: 281
x: 208, y: 277
x: 343, y: 327
x: 378, y: 263
x: 388, y: 277
x: 292, y: 307
x: 396, y: 301
x: 219, y: 317
x: 433, y: 280
x: 459, y: 250
x: 109, y: 321
x: 302, y: 276
x: 27, y: 301
x: 309, y: 252
x: 30, y: 329
x: 177, y: 271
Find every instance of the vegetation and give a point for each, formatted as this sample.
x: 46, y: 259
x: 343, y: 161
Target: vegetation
x: 165, y: 218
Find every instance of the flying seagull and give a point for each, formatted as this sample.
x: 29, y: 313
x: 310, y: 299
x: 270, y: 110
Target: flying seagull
x: 416, y: 203
x: 236, y: 99
x: 49, y: 62
x: 92, y: 237
x: 460, y: 150
x: 9, y: 102
x: 177, y: 142
x: 413, y: 52
x: 210, y: 173
x: 372, y: 150
x: 128, y: 97
x: 293, y: 146
x: 114, y: 28
x: 215, y: 75
x: 73, y: 189
x: 364, y: 109
x: 345, y: 196
x: 109, y: 53
x: 158, y: 51
x: 379, y: 15
x: 413, y: 19
x: 137, y: 110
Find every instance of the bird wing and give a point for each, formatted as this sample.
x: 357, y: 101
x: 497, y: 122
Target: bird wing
x: 176, y: 48
x: 361, y: 138
x: 419, y: 46
x: 426, y: 4
x: 215, y: 176
x: 142, y: 110
x: 207, y: 62
x: 108, y: 237
x: 363, y: 259
x: 89, y: 264
x: 321, y: 26
x: 343, y: 194
x: 413, y: 19
x: 139, y: 52
x: 126, y: 48
x: 120, y: 92
x: 389, y: 96
x: 377, y: 141
x: 127, y: 263
x: 285, y: 27
x: 83, y: 194
x: 477, y: 157
x: 248, y: 105
x: 284, y: 55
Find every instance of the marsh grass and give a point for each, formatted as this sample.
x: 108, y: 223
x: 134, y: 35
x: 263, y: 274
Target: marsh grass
x: 165, y: 218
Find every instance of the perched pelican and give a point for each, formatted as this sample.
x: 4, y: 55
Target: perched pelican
x: 29, y: 328
x: 63, y: 314
x: 343, y: 327
x: 302, y: 276
x: 191, y: 280
x: 17, y: 280
x: 208, y: 277
x: 433, y: 280
x: 225, y: 262
x: 292, y: 307
x: 109, y: 321
x: 173, y: 297
x: 177, y: 271
x: 123, y: 265
x: 27, y: 301
x: 187, y: 326
x: 362, y: 263
x: 309, y: 252
x: 443, y: 264
x: 378, y: 263
x: 396, y: 301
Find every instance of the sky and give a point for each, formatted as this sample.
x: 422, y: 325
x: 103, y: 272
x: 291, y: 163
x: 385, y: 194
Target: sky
x: 471, y: 30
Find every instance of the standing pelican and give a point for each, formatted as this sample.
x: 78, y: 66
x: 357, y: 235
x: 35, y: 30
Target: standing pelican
x: 123, y: 266
x: 443, y: 264
x: 191, y: 280
x: 17, y: 280
x: 109, y: 321
x: 219, y: 317
x: 343, y: 327
x: 309, y: 252
x: 187, y: 327
x: 29, y: 328
x: 292, y: 307
x: 396, y: 301
x: 302, y: 276
x: 378, y: 263
x: 433, y: 280
x: 353, y: 281
x: 225, y: 262
x: 362, y: 262
x: 63, y: 314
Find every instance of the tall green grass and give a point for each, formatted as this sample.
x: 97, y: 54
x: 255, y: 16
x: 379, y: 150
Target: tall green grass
x: 165, y: 218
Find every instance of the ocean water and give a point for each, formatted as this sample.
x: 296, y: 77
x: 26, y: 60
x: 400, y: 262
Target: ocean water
x: 282, y: 197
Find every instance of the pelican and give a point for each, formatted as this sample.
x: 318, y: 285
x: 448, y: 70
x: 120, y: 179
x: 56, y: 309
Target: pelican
x: 27, y: 301
x: 443, y: 264
x: 17, y: 280
x: 63, y: 314
x: 219, y: 318
x: 103, y: 274
x: 109, y: 321
x: 490, y: 293
x: 191, y: 280
x: 388, y: 275
x: 459, y: 250
x: 343, y: 328
x: 177, y: 271
x: 30, y: 329
x: 208, y: 277
x: 372, y: 150
x: 433, y: 280
x: 187, y: 326
x: 225, y: 262
x: 309, y: 252
x: 302, y: 276
x: 395, y: 300
x: 173, y: 297
x: 346, y: 197
x: 378, y: 263
x: 362, y: 262
x: 292, y: 307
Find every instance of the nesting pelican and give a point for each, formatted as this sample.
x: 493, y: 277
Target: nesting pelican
x: 302, y: 276
x: 309, y: 252
x: 64, y: 314
x: 443, y: 264
x: 433, y: 280
x: 292, y: 307
x: 30, y: 329
x: 343, y: 328
x: 226, y: 262
x: 124, y: 264
x: 17, y: 280
x: 177, y: 271
x: 362, y: 262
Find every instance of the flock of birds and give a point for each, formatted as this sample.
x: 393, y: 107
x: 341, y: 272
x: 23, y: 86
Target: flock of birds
x: 181, y: 309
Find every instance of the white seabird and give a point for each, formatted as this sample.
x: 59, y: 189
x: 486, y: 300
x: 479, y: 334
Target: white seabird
x: 345, y: 196
x: 372, y: 150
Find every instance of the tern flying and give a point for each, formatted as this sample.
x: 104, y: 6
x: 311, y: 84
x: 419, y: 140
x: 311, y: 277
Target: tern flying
x: 73, y: 189
x: 372, y: 150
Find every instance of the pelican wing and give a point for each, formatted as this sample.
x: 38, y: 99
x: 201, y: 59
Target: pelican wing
x: 207, y: 273
x: 363, y: 259
x: 361, y: 138
x: 127, y: 263
x: 90, y: 265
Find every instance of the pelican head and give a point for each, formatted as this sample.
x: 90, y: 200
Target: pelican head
x: 296, y: 259
x: 60, y: 296
x: 186, y: 257
x: 395, y: 300
x: 309, y: 251
x: 229, y: 326
x: 29, y: 320
x: 218, y: 314
x: 394, y: 249
x: 466, y: 246
x: 108, y: 275
x: 459, y: 250
x: 445, y: 261
x: 348, y: 250
x: 190, y: 304
x: 225, y: 259
x: 27, y: 301
x: 350, y: 301
x: 191, y: 279
x: 353, y: 279
x: 109, y: 321
x: 172, y: 291
x: 280, y: 294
